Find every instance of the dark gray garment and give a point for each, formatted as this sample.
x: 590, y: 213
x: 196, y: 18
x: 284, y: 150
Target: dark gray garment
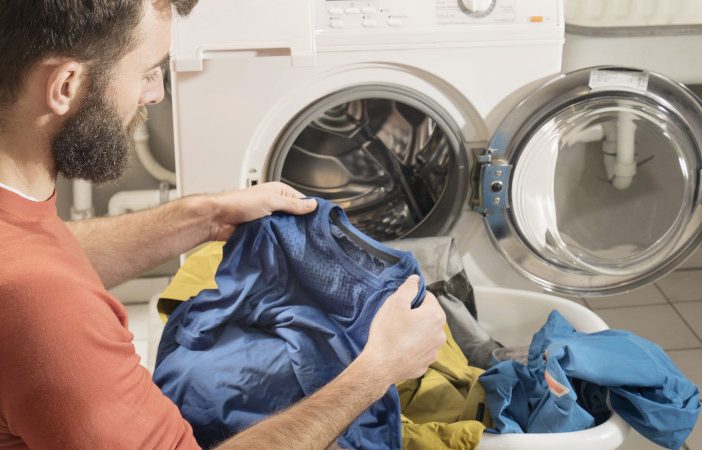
x: 446, y: 278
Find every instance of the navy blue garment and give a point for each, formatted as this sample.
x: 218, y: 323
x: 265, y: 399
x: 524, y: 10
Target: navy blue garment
x: 295, y: 299
x: 565, y: 384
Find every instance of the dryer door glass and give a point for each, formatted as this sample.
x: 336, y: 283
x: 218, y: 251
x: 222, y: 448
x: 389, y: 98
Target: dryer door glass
x: 389, y: 156
x: 603, y: 194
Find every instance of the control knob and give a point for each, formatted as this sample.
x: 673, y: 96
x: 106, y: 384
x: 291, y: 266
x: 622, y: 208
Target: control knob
x: 477, y: 7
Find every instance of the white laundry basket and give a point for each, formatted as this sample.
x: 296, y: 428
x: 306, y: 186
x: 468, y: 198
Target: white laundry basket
x: 512, y: 317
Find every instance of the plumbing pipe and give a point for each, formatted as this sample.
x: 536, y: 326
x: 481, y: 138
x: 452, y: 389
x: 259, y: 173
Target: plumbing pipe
x: 128, y: 201
x: 82, y: 207
x: 625, y: 163
x: 609, y: 149
x: 590, y: 134
x: 143, y: 151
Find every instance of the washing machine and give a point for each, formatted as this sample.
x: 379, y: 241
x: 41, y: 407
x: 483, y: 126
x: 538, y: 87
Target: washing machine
x: 451, y: 117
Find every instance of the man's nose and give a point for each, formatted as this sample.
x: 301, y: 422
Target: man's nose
x: 153, y: 93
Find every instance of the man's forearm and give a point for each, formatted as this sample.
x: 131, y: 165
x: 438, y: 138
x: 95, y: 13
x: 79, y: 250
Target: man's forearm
x: 122, y: 247
x: 315, y: 422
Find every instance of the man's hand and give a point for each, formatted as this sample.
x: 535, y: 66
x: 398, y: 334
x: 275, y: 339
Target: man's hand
x: 233, y: 208
x: 403, y: 342
x: 122, y: 247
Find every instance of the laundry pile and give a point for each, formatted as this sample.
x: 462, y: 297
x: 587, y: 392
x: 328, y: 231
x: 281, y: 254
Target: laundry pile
x: 288, y: 308
x: 294, y: 301
x: 572, y: 378
x: 277, y: 312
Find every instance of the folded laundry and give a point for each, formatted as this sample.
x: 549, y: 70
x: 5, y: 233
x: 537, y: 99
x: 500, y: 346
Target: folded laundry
x: 571, y: 377
x: 294, y: 300
x: 443, y: 272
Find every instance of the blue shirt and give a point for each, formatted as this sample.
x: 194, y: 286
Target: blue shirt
x: 569, y: 375
x: 295, y: 299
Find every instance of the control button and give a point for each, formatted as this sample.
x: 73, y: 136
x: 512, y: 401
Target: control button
x: 476, y: 6
x: 353, y: 11
x: 336, y: 11
x: 369, y: 23
x: 393, y: 22
x: 536, y: 19
x: 336, y: 23
x: 368, y: 10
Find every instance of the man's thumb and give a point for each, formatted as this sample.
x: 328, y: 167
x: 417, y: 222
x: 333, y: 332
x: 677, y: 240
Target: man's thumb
x: 407, y: 292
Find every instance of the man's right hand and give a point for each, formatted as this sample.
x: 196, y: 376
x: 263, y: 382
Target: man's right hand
x: 403, y: 341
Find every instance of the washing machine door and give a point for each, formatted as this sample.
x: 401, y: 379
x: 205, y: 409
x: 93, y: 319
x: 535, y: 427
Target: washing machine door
x: 591, y: 185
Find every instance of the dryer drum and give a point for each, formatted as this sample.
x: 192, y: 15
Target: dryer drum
x: 389, y: 157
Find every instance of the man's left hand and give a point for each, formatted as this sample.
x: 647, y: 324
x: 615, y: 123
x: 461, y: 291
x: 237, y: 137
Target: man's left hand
x: 233, y: 208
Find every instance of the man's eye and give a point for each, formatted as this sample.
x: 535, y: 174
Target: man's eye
x: 153, y: 76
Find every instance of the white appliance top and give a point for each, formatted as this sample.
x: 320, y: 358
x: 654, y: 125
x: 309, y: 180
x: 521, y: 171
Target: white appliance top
x: 306, y: 27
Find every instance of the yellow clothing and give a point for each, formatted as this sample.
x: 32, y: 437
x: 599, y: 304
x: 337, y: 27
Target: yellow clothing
x: 438, y: 409
x: 196, y: 275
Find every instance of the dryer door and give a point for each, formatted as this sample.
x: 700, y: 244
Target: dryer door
x: 591, y: 185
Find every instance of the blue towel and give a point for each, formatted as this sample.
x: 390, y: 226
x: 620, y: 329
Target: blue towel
x: 295, y: 299
x: 569, y: 376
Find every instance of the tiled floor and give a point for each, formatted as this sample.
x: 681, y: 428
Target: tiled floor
x: 670, y: 314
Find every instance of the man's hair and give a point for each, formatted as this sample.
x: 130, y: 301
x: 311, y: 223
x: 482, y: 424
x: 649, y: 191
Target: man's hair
x: 95, y: 32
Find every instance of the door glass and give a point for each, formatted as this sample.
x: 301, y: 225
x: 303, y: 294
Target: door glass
x: 604, y: 186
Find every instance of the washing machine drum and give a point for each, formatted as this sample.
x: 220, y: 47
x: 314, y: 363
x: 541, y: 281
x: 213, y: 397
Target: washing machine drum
x: 387, y: 155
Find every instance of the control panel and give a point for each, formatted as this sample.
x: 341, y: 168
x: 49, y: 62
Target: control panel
x: 389, y: 14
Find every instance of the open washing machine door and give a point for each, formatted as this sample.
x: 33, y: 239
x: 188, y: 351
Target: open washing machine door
x: 591, y: 185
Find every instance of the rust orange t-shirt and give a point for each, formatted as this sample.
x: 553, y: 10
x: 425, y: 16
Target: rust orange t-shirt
x: 69, y: 375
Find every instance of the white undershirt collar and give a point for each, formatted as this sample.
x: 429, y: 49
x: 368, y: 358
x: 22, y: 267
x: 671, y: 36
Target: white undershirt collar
x: 21, y: 194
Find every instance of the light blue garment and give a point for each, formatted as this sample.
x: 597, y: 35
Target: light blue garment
x: 295, y: 299
x: 565, y: 384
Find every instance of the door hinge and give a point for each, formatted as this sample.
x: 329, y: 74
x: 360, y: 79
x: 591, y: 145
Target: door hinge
x: 490, y: 182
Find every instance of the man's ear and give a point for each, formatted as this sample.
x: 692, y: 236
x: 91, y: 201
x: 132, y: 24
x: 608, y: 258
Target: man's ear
x: 63, y: 85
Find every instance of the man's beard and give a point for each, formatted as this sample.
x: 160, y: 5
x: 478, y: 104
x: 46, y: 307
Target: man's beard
x: 94, y: 144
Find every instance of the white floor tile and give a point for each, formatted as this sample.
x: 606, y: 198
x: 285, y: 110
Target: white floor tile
x: 682, y: 285
x: 138, y: 320
x: 580, y: 301
x: 694, y: 442
x: 647, y: 295
x: 142, y: 349
x: 692, y: 312
x: 658, y: 323
x: 634, y: 441
x: 690, y: 363
x: 694, y: 261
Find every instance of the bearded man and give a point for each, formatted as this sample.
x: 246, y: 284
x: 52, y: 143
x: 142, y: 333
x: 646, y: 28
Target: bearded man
x: 75, y: 76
